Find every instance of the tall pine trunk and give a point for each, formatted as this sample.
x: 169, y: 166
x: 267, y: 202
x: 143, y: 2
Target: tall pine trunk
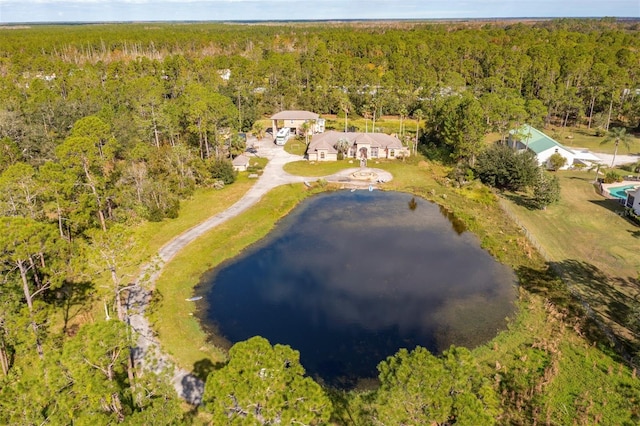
x: 27, y: 295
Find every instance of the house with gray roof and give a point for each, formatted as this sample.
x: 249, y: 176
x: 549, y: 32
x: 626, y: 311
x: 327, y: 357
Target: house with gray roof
x: 323, y: 146
x: 543, y: 146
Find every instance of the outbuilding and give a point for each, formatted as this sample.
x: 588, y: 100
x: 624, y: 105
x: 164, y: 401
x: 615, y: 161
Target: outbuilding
x: 295, y: 119
x: 543, y: 146
x: 240, y: 163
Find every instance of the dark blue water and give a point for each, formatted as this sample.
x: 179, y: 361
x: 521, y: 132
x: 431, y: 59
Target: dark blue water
x: 348, y: 278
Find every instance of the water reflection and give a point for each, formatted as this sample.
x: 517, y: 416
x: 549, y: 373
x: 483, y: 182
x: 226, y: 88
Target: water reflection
x: 413, y: 204
x: 349, y: 278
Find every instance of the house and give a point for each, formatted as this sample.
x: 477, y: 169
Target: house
x: 240, y: 163
x: 633, y: 200
x: 323, y: 146
x: 532, y: 139
x: 295, y: 119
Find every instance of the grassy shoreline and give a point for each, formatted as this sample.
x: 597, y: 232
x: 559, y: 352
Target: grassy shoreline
x: 540, y: 360
x: 173, y: 316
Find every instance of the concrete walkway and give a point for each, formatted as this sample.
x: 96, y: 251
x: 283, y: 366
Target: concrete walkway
x: 147, y: 353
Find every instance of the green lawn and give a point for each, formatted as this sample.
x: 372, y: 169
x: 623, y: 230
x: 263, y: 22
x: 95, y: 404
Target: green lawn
x: 296, y: 146
x: 204, y: 203
x: 587, y: 237
x: 581, y: 137
x: 317, y: 169
x: 389, y: 125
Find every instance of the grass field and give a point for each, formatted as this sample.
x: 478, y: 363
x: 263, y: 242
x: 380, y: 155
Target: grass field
x: 296, y: 146
x: 317, y: 169
x: 588, y: 238
x: 579, y: 137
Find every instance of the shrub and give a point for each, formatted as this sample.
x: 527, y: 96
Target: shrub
x: 557, y: 161
x: 155, y: 212
x: 504, y: 168
x: 223, y: 170
x: 612, y: 177
x: 633, y: 217
x: 546, y: 190
x: 461, y: 173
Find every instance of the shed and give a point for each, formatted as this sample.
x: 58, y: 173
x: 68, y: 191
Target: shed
x: 240, y: 163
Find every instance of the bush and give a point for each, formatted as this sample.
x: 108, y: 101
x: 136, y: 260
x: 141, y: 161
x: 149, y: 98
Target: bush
x: 557, y: 161
x: 155, y: 212
x: 223, y: 170
x: 612, y: 177
x: 546, y: 190
x: 632, y: 167
x: 504, y: 168
x: 633, y: 217
x: 461, y: 173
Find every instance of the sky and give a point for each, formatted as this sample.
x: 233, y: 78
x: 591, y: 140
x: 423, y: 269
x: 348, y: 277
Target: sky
x: 25, y: 11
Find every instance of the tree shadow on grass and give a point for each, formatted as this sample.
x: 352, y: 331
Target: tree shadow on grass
x: 72, y: 298
x: 520, y: 200
x: 611, y: 205
x: 635, y: 234
x: 609, y: 300
x: 202, y: 368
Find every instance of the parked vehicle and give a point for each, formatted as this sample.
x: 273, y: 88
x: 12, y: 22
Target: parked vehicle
x: 283, y: 136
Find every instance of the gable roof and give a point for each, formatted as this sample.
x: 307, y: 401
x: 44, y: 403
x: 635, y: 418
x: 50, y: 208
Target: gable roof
x: 537, y: 141
x: 364, y: 138
x: 240, y: 160
x: 323, y: 144
x: 295, y: 115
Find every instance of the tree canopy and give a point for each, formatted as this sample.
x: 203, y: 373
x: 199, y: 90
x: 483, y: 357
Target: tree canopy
x: 264, y: 384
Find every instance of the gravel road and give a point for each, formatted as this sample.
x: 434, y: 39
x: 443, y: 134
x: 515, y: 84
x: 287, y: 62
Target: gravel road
x: 148, y: 353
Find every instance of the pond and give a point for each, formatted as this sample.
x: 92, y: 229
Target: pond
x: 348, y: 278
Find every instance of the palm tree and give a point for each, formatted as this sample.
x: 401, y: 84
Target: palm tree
x: 345, y: 105
x: 403, y: 114
x: 305, y: 128
x: 343, y: 145
x: 617, y: 135
x: 597, y: 167
x: 418, y: 116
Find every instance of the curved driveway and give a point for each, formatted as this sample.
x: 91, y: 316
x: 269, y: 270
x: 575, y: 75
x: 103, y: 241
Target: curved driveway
x: 147, y: 352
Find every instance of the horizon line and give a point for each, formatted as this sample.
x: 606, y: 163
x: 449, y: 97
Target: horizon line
x: 252, y: 21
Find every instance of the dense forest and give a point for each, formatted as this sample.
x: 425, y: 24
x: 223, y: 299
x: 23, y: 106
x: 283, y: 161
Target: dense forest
x: 104, y: 127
